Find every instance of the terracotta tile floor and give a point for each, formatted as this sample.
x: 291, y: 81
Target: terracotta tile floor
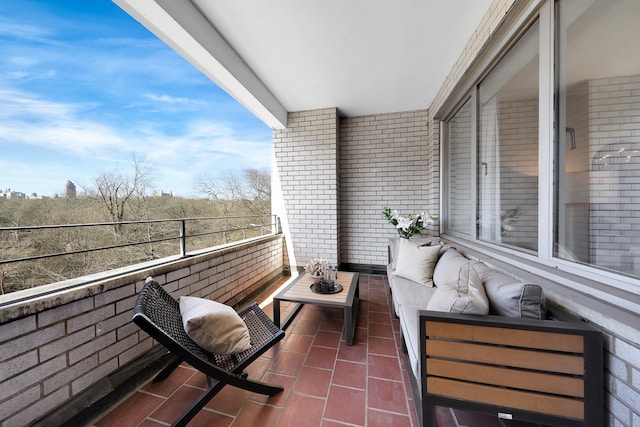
x: 327, y: 383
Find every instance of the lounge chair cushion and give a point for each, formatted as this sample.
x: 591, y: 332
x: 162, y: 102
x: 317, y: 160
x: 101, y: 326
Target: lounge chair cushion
x: 463, y: 293
x: 416, y: 262
x: 214, y: 326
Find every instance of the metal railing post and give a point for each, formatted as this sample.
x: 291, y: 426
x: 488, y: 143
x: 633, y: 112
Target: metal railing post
x: 276, y: 227
x: 183, y: 238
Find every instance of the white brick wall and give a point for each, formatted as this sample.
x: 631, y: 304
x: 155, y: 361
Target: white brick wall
x: 622, y: 381
x: 335, y: 184
x: 49, y: 357
x: 384, y: 163
x: 306, y: 156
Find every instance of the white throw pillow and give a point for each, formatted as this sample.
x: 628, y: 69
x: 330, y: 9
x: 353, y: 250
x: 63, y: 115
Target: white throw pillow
x: 214, y: 326
x: 463, y: 293
x: 416, y: 262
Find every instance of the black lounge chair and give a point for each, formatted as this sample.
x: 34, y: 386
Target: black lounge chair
x: 158, y: 314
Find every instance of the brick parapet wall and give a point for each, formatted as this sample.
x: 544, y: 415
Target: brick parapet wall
x: 50, y: 357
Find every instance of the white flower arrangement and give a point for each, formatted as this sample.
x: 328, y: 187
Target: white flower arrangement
x: 316, y: 266
x: 409, y: 225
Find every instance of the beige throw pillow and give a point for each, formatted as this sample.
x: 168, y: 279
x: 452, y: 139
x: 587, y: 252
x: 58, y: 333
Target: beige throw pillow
x: 463, y: 293
x: 214, y: 326
x: 416, y: 262
x: 448, y: 265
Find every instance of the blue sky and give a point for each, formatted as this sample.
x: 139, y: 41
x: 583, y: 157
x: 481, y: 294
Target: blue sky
x: 84, y: 88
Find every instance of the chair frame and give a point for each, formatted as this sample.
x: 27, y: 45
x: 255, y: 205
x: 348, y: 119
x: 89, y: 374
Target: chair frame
x: 158, y: 314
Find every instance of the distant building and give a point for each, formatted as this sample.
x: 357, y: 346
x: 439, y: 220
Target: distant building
x: 8, y: 194
x: 163, y: 194
x: 69, y: 189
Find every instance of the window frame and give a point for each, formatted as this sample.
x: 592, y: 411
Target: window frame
x: 472, y: 99
x: 583, y: 277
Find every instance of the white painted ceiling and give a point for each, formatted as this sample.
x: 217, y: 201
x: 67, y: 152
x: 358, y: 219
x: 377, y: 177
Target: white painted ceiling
x: 361, y: 56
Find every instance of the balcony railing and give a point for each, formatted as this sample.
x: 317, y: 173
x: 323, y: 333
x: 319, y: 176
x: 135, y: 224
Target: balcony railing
x: 37, y: 255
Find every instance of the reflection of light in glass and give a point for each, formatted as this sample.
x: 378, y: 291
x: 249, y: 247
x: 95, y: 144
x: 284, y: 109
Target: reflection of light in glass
x: 612, y: 154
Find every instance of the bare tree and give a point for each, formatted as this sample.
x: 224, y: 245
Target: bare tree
x: 117, y: 191
x: 234, y: 194
x: 215, y: 190
x: 258, y: 182
x: 247, y: 193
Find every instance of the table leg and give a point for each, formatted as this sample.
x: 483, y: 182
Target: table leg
x: 276, y: 312
x: 350, y: 318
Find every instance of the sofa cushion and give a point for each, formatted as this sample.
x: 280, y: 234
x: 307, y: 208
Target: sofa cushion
x: 393, y: 254
x: 410, y: 325
x: 394, y: 244
x: 406, y: 291
x: 416, y: 262
x: 448, y: 265
x: 214, y: 326
x: 463, y: 293
x: 509, y: 296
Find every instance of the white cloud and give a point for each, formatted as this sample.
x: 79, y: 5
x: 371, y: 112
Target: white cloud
x: 23, y: 61
x: 211, y: 145
x: 203, y: 147
x: 18, y: 30
x: 30, y: 120
x: 24, y: 105
x: 166, y: 98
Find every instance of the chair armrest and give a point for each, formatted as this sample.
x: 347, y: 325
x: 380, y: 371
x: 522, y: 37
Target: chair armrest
x: 540, y: 371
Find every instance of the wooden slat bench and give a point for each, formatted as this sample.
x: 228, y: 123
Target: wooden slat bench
x: 541, y: 371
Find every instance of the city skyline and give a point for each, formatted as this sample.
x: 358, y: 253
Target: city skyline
x: 86, y: 89
x: 69, y: 188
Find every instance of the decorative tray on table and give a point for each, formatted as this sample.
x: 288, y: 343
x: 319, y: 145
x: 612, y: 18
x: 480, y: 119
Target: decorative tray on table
x: 326, y: 287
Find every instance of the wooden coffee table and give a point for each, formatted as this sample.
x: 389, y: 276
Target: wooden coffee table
x: 299, y: 291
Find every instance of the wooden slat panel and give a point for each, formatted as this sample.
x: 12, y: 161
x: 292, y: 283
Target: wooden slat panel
x: 513, y: 337
x: 514, y: 378
x: 519, y: 358
x: 541, y: 403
